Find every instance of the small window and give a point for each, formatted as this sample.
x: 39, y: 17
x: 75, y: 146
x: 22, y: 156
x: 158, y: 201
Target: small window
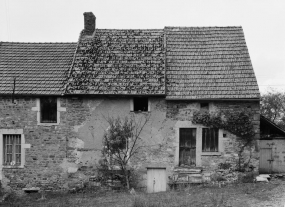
x: 48, y: 110
x: 210, y: 139
x: 204, y: 106
x: 140, y: 104
x: 12, y: 149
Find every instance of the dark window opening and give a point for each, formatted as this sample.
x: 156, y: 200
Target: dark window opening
x: 210, y: 139
x: 187, y: 147
x: 140, y: 104
x: 48, y: 110
x: 12, y: 149
x: 204, y: 106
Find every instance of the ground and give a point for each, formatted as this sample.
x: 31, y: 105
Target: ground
x: 236, y: 195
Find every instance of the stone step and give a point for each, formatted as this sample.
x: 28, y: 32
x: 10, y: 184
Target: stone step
x: 187, y: 178
x: 187, y: 170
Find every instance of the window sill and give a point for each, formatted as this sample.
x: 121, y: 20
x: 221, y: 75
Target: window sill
x: 140, y: 112
x: 12, y: 167
x: 211, y: 154
x: 48, y: 124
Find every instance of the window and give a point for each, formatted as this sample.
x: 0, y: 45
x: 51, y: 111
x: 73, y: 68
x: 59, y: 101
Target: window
x: 48, y: 109
x: 12, y: 149
x: 204, y: 106
x: 187, y: 146
x: 210, y: 139
x: 140, y: 104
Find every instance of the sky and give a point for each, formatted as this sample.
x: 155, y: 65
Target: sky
x: 62, y: 20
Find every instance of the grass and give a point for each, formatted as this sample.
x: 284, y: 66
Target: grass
x: 193, y: 196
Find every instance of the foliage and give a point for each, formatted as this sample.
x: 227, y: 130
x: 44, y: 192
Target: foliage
x: 217, y: 177
x: 225, y: 166
x: 236, y: 122
x: 248, y: 177
x: 121, y: 143
x: 272, y: 106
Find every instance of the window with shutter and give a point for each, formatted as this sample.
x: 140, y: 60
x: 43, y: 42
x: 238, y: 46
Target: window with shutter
x: 210, y: 139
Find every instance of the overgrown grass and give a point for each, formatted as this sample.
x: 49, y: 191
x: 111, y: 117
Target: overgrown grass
x: 194, y: 196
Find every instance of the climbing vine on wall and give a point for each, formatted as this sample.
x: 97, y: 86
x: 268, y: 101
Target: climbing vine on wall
x: 237, y: 123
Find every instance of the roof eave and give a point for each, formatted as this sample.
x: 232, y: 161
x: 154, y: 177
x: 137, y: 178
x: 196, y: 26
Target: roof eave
x: 213, y: 99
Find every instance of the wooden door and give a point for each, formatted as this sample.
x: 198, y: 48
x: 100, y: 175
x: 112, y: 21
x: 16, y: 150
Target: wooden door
x: 265, y: 158
x: 187, y: 147
x: 156, y: 180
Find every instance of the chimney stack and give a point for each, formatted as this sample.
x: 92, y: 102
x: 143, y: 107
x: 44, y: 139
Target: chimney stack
x: 89, y: 23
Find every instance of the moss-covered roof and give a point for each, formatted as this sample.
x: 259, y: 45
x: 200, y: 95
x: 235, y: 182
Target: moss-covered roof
x: 176, y: 62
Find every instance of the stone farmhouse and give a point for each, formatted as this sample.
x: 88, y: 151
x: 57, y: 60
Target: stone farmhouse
x: 54, y: 97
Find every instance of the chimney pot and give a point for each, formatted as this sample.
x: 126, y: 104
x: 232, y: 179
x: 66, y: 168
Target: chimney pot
x: 89, y: 23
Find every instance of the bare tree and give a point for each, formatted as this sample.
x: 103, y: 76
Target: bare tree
x: 121, y: 142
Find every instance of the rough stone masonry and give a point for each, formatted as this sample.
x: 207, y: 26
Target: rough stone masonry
x: 65, y: 154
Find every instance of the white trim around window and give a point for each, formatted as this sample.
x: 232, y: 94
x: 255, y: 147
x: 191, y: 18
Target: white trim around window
x: 38, y: 108
x: 24, y: 146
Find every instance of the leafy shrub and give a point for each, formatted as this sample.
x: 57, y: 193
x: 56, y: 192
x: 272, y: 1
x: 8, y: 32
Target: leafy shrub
x: 248, y: 177
x: 225, y: 166
x: 217, y: 177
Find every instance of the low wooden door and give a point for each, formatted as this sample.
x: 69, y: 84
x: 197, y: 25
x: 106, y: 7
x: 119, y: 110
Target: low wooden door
x: 265, y: 157
x: 187, y: 147
x: 156, y: 180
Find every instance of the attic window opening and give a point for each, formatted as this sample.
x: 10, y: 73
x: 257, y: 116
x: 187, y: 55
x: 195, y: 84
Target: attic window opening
x: 140, y: 104
x: 48, y: 110
x: 204, y: 106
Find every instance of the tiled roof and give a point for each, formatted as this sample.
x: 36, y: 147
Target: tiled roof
x: 119, y: 62
x: 208, y: 63
x: 198, y: 63
x: 39, y: 68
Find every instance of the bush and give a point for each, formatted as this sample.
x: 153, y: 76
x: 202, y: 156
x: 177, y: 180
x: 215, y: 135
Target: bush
x: 225, y: 166
x: 217, y: 177
x: 248, y: 177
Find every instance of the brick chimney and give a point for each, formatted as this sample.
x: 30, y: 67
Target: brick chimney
x: 89, y: 23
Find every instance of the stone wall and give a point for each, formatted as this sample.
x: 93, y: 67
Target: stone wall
x: 68, y: 153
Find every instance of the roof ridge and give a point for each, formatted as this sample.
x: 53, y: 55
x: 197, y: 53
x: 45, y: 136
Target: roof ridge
x: 203, y: 27
x: 39, y: 42
x: 127, y: 29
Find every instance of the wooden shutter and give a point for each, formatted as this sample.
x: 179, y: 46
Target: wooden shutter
x: 210, y: 139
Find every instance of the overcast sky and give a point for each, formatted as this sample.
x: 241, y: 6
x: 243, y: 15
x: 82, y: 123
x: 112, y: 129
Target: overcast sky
x: 263, y: 23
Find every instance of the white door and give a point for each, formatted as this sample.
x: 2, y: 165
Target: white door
x: 156, y: 180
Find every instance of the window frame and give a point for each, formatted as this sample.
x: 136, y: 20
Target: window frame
x: 24, y: 146
x: 180, y: 146
x: 37, y: 108
x: 43, y: 119
x: 132, y: 105
x: 218, y: 141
